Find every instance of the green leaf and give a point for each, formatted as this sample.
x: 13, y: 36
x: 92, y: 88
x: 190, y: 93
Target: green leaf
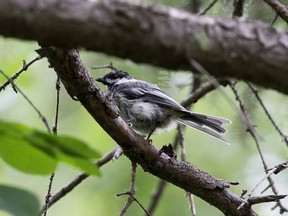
x: 68, y: 145
x: 18, y: 202
x: 80, y: 163
x: 36, y: 152
x: 23, y: 156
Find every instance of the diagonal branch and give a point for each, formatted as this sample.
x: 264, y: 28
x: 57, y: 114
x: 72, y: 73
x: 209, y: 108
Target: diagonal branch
x: 72, y: 185
x: 156, y: 35
x: 80, y: 84
x: 16, y: 75
x: 280, y: 8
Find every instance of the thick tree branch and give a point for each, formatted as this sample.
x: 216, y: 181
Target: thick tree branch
x: 81, y: 85
x: 280, y: 8
x: 156, y: 35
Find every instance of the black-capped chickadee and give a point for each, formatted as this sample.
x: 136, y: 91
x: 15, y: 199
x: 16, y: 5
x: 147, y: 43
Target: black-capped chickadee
x: 148, y: 109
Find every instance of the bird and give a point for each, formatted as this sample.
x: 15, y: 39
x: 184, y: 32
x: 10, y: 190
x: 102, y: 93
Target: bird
x: 148, y: 110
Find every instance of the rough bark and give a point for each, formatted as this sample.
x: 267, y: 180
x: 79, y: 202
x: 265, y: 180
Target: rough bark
x: 80, y: 84
x: 156, y: 35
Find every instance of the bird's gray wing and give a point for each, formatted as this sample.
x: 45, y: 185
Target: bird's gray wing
x: 161, y: 99
x: 148, y: 93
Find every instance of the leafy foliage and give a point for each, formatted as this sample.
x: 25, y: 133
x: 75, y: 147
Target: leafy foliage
x: 36, y: 152
x: 18, y: 201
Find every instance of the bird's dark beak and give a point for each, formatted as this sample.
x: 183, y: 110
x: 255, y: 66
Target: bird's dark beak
x: 101, y: 80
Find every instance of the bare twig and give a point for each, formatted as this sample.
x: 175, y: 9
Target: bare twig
x: 180, y: 129
x: 25, y: 66
x: 200, y: 69
x: 109, y: 66
x: 274, y: 19
x: 255, y: 92
x: 65, y: 190
x: 265, y: 199
x: 238, y: 8
x: 207, y: 8
x: 246, y: 118
x: 202, y: 91
x: 131, y: 193
x: 180, y: 137
x: 54, y: 130
x: 196, y: 85
x: 270, y: 198
x: 256, y: 186
x: 265, y: 189
x: 191, y: 203
x: 252, y: 131
x: 42, y: 117
x: 280, y: 167
x: 156, y: 196
x: 183, y: 158
x: 58, y: 87
x: 280, y: 8
x: 48, y: 196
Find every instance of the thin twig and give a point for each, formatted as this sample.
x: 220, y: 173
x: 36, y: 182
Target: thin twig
x: 252, y: 131
x: 238, y: 8
x: 256, y: 186
x: 265, y: 199
x: 180, y: 129
x: 183, y: 158
x: 65, y: 190
x: 54, y: 130
x: 246, y: 118
x: 265, y: 189
x: 207, y: 8
x: 25, y: 66
x: 110, y: 66
x: 280, y: 8
x: 196, y: 85
x: 274, y: 19
x: 156, y: 196
x: 58, y: 87
x: 191, y: 204
x: 202, y: 91
x: 131, y: 193
x: 48, y: 196
x: 275, y: 170
x: 201, y: 70
x: 280, y: 167
x: 256, y: 94
x: 28, y: 100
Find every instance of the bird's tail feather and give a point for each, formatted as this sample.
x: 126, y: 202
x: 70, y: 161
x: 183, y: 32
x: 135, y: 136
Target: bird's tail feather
x: 210, y: 125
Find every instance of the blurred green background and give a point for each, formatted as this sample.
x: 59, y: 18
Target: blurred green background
x: 97, y: 196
